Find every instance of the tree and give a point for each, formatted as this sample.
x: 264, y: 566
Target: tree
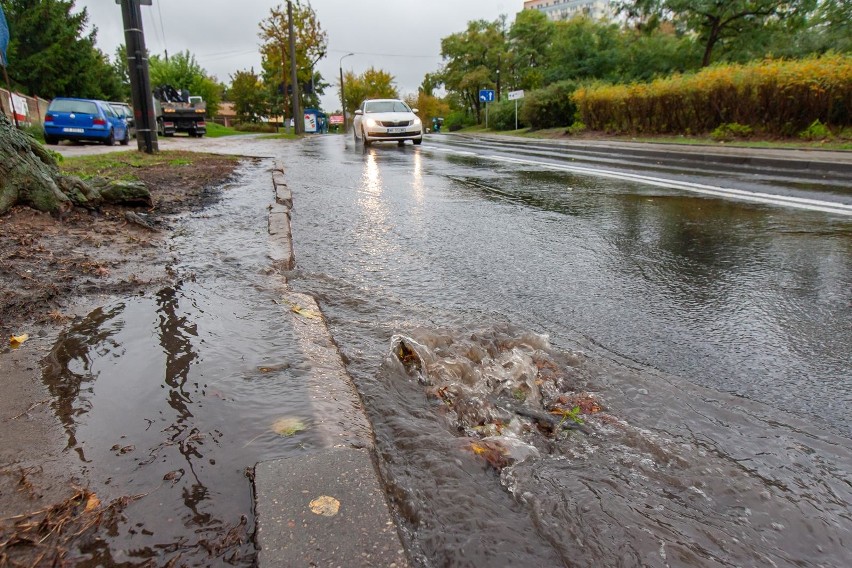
x: 311, y: 46
x: 29, y: 176
x: 50, y: 54
x: 717, y: 21
x: 531, y: 37
x: 476, y: 59
x: 248, y: 95
x: 428, y: 106
x: 371, y: 84
x: 182, y: 71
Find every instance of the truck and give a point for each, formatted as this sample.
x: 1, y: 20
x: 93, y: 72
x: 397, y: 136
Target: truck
x: 178, y: 111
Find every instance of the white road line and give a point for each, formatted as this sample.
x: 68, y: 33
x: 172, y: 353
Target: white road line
x: 716, y: 191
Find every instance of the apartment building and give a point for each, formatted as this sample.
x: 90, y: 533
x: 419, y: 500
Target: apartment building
x: 567, y: 9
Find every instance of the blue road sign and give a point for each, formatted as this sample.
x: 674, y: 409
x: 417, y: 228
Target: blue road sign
x: 486, y: 95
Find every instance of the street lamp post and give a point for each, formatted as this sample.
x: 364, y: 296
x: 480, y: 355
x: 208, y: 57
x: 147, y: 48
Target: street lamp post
x: 342, y: 96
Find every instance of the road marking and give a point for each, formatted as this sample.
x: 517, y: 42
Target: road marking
x: 716, y: 191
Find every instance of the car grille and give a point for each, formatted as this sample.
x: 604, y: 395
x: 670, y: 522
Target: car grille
x: 389, y: 123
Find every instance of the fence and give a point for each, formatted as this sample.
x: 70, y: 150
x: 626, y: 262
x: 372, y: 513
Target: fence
x: 29, y: 110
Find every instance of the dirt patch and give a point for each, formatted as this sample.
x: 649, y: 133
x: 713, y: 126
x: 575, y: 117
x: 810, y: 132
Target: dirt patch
x: 52, y: 270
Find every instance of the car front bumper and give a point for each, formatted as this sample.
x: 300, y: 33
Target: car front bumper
x: 383, y: 134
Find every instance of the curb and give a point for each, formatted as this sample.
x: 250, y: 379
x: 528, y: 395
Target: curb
x: 782, y: 159
x: 296, y: 522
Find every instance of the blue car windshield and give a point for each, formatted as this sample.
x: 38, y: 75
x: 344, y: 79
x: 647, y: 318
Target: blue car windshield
x: 386, y: 106
x: 79, y: 107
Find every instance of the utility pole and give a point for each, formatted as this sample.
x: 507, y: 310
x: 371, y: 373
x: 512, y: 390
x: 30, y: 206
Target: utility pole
x: 298, y: 119
x: 140, y: 82
x: 342, y: 95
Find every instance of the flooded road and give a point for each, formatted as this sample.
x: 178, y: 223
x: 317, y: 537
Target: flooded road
x: 715, y: 334
x: 561, y: 369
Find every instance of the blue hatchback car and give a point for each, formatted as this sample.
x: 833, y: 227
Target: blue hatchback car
x: 83, y: 119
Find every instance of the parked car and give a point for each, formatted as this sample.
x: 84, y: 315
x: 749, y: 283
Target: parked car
x: 83, y: 119
x: 387, y: 120
x: 126, y: 112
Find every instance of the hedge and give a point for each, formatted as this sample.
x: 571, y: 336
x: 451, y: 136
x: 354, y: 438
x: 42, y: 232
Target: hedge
x: 774, y: 97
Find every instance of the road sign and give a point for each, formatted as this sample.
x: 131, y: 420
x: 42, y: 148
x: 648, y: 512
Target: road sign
x: 486, y: 95
x: 515, y: 95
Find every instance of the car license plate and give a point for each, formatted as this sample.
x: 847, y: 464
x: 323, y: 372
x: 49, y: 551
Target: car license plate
x: 396, y: 130
x: 77, y: 130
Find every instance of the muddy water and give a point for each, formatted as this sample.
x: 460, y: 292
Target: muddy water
x: 169, y: 397
x: 714, y: 335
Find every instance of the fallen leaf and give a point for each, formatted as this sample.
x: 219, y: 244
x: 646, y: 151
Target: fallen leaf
x: 325, y: 506
x: 288, y: 426
x: 16, y: 340
x: 305, y: 313
x: 92, y: 503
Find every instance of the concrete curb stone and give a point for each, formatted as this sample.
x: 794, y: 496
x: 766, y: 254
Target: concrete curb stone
x: 290, y: 530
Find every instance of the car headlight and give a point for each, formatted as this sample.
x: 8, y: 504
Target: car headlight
x: 417, y: 121
x: 372, y: 122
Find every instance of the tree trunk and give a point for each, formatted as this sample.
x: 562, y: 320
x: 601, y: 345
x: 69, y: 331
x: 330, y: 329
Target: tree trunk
x: 30, y: 176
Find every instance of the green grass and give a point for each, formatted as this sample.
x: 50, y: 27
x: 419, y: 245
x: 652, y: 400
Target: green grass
x: 216, y: 130
x: 125, y: 165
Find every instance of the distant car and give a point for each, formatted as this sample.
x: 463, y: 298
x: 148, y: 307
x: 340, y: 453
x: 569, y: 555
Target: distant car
x: 83, y: 119
x: 126, y: 112
x: 387, y: 120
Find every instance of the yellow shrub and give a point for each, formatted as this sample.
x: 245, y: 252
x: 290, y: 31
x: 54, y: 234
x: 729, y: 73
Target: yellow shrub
x: 772, y: 96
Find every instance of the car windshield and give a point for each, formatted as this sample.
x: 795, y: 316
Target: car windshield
x: 386, y: 106
x: 80, y: 107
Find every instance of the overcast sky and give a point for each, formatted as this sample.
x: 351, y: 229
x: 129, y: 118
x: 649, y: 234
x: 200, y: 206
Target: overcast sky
x: 402, y: 37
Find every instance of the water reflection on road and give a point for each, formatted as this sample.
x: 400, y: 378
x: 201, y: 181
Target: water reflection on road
x: 170, y: 398
x: 716, y: 333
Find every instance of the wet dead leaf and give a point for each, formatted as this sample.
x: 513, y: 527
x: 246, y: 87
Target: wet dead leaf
x: 311, y: 314
x: 325, y: 506
x: 288, y: 426
x: 17, y: 340
x: 92, y: 503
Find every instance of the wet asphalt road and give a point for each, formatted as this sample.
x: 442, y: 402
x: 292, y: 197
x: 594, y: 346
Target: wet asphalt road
x: 716, y: 330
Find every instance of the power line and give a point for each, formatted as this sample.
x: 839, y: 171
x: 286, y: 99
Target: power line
x: 162, y: 27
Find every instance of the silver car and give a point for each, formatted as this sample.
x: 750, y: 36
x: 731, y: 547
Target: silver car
x: 387, y: 120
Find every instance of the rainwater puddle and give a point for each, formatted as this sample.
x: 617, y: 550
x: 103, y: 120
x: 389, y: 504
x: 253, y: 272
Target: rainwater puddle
x: 169, y: 397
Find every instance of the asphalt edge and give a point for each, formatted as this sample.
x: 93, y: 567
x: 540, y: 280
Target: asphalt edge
x: 783, y: 158
x: 365, y: 533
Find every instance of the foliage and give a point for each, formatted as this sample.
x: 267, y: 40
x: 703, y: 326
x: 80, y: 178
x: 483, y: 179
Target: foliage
x: 428, y: 107
x: 248, y: 96
x: 457, y: 120
x: 815, y: 131
x: 531, y: 37
x: 36, y: 131
x: 501, y: 115
x: 476, y: 59
x: 576, y: 128
x: 51, y: 55
x: 371, y: 84
x: 716, y: 22
x: 731, y: 131
x: 550, y: 106
x: 182, y: 71
x: 775, y: 97
x: 311, y: 46
x: 263, y: 127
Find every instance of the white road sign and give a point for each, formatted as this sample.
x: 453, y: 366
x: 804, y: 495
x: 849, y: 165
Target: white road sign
x: 514, y: 95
